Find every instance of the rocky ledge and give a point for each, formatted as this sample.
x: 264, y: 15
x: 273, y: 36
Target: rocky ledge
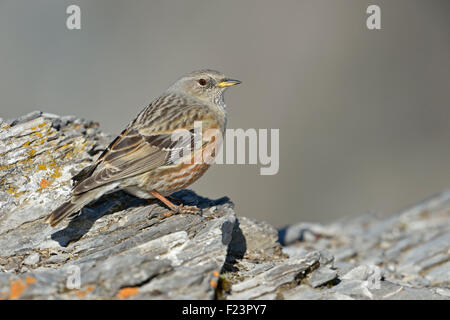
x: 118, y: 248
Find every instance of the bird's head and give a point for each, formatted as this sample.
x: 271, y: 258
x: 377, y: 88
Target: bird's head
x: 206, y: 85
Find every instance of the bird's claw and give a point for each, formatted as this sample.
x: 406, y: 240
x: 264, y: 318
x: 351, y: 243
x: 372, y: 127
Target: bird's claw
x: 176, y: 210
x: 187, y: 209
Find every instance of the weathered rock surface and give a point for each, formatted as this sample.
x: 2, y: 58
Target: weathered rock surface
x: 406, y: 256
x: 118, y: 249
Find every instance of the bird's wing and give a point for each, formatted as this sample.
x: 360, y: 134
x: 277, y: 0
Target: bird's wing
x: 138, y: 150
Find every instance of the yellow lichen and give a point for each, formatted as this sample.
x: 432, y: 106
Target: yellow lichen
x: 67, y: 145
x: 37, y: 134
x: 10, y: 189
x: 18, y: 194
x: 56, y: 173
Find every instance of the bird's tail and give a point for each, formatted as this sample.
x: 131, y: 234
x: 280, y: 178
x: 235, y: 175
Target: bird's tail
x: 71, y: 208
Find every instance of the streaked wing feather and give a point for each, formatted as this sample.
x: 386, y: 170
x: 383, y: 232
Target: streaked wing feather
x: 132, y: 156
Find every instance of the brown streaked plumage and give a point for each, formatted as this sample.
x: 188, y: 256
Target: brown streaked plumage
x: 141, y: 160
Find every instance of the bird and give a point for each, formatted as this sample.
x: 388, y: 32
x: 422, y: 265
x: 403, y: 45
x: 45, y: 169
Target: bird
x: 145, y: 160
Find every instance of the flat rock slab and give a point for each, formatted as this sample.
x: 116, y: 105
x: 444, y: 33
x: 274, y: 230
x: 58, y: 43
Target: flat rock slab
x: 117, y: 249
x: 406, y: 256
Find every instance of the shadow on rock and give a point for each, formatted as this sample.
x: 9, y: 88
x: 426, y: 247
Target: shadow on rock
x: 107, y: 204
x: 236, y: 249
x: 118, y: 201
x: 190, y: 198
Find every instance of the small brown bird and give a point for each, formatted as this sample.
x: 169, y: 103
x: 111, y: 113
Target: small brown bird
x: 144, y: 159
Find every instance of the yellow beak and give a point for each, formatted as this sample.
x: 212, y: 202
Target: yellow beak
x: 227, y: 83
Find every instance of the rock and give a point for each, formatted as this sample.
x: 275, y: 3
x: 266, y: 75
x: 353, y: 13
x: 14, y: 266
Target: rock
x: 270, y: 281
x: 117, y: 248
x: 405, y: 256
x: 113, y: 249
x: 443, y: 292
x: 364, y: 272
x: 32, y: 259
x: 321, y: 277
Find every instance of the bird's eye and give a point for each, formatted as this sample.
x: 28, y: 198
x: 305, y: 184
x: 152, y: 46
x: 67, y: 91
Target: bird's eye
x: 202, y: 82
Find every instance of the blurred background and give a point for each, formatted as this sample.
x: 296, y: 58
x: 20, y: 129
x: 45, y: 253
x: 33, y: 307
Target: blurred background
x: 364, y: 116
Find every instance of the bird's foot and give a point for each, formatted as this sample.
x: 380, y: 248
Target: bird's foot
x: 176, y: 210
x: 187, y: 209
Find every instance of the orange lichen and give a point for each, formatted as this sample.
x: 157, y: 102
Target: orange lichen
x: 213, y: 283
x: 19, y: 286
x: 41, y: 167
x: 44, y: 183
x: 30, y: 280
x: 127, y: 292
x: 82, y: 293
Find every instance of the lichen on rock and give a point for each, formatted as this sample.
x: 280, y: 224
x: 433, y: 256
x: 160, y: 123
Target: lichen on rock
x: 117, y: 249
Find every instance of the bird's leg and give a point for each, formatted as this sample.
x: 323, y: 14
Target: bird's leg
x: 174, y: 209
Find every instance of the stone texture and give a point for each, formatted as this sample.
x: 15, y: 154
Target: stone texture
x: 405, y: 256
x: 117, y: 248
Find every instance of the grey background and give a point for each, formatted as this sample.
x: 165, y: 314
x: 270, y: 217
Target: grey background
x: 364, y: 116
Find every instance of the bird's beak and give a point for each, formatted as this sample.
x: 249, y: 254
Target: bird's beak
x: 227, y: 83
